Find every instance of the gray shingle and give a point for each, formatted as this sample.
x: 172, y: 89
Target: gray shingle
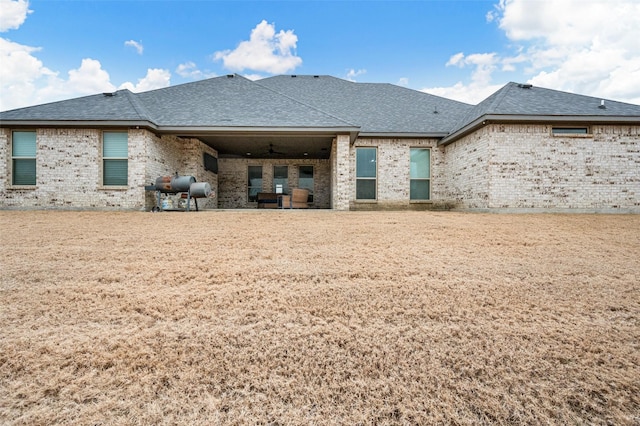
x: 317, y: 102
x: 117, y: 107
x: 526, y: 100
x: 377, y: 108
x: 231, y: 101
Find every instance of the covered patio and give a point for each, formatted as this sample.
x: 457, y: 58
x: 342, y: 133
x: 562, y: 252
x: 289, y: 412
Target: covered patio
x: 258, y: 166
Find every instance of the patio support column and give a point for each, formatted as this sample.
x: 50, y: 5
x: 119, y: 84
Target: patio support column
x: 341, y: 173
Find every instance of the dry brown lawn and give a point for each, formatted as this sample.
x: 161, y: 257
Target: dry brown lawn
x: 318, y: 317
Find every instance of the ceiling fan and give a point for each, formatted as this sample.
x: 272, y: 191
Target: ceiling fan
x: 272, y: 151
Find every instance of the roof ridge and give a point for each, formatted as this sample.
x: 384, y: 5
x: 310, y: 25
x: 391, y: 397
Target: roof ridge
x: 138, y: 106
x: 501, y: 93
x: 307, y: 105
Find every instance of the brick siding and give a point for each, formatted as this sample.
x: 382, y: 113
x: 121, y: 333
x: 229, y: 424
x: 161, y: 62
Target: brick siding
x: 516, y: 167
x: 498, y: 167
x: 393, y: 175
x: 69, y: 170
x: 232, y: 181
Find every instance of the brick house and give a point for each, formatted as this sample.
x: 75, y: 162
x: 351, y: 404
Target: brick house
x: 353, y: 145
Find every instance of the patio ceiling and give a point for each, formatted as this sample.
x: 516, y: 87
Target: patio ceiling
x: 275, y: 146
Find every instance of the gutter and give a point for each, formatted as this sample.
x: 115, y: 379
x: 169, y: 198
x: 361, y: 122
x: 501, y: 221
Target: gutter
x: 77, y: 123
x: 398, y: 135
x: 262, y: 131
x: 352, y: 131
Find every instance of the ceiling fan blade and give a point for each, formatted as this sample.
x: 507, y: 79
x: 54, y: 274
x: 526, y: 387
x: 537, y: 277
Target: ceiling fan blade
x: 273, y: 151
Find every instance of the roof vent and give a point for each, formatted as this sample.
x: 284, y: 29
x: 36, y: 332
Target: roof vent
x: 435, y: 110
x: 294, y: 76
x: 229, y: 75
x: 525, y: 86
x: 109, y: 94
x: 316, y: 76
x: 602, y: 105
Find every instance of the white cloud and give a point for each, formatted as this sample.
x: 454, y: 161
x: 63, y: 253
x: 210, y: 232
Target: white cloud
x: 19, y: 73
x: 155, y: 79
x: 471, y: 93
x: 136, y: 45
x: 36, y: 84
x: 253, y: 77
x: 191, y: 71
x: 88, y: 79
x: 457, y: 60
x: 25, y: 80
x: 265, y: 51
x: 352, y: 74
x: 403, y: 81
x: 480, y: 87
x: 13, y: 14
x: 588, y: 47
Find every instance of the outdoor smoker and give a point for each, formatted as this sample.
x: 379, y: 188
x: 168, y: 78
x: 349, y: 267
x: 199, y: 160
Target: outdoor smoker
x: 185, y: 185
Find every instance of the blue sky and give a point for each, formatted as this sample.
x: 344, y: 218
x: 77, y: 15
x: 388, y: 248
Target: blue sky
x: 463, y: 50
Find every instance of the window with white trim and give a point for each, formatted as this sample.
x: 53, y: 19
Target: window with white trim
x: 115, y: 158
x: 23, y: 158
x: 366, y: 173
x: 420, y: 174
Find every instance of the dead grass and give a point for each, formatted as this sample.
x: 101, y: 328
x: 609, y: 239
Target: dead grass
x: 318, y: 317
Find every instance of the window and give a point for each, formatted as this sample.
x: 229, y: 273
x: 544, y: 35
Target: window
x: 305, y: 180
x: 419, y: 186
x: 115, y: 158
x: 570, y: 130
x: 366, y: 170
x: 254, y: 183
x: 23, y: 155
x: 281, y: 179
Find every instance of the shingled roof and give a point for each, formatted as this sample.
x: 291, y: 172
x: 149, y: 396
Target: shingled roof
x: 378, y: 109
x: 232, y: 101
x: 527, y: 103
x: 318, y: 103
x: 115, y: 107
x: 223, y: 102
